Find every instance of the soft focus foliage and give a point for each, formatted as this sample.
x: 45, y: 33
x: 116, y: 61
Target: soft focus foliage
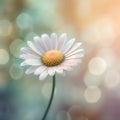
x: 90, y: 92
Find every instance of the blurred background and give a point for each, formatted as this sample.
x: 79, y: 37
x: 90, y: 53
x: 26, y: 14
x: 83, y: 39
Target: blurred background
x: 90, y: 92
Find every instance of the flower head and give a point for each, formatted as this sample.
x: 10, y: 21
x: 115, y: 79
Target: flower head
x: 50, y: 55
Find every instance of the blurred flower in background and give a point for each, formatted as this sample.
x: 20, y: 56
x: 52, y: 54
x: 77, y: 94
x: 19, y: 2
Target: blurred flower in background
x: 91, y: 92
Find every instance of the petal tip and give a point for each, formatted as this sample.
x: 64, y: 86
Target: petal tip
x: 41, y: 79
x: 27, y: 73
x: 36, y: 38
x: 22, y: 64
x: 28, y: 41
x: 21, y: 49
x: 44, y: 35
x: 21, y: 56
x: 36, y: 73
x: 54, y: 35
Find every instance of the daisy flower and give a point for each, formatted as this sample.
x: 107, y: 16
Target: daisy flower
x: 48, y: 55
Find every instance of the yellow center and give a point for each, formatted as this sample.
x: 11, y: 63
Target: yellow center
x: 52, y: 58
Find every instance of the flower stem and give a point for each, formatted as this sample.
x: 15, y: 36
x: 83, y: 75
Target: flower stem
x: 51, y: 99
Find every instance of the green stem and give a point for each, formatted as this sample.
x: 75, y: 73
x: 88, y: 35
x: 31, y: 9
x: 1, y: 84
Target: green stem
x: 51, y: 99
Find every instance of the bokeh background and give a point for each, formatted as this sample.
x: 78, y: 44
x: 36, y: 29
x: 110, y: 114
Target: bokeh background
x: 90, y: 92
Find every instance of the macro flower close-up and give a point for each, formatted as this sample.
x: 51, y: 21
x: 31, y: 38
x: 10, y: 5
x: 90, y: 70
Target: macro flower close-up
x: 59, y: 60
x: 50, y: 55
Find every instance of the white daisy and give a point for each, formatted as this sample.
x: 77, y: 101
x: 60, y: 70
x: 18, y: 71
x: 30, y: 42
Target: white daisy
x: 50, y: 55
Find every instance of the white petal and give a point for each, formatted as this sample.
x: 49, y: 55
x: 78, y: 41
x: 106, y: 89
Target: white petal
x: 62, y: 40
x: 74, y: 48
x: 68, y: 68
x: 72, y: 62
x: 40, y: 70
x: 31, y: 70
x: 23, y: 64
x: 29, y: 56
x: 64, y: 66
x: 74, y: 52
x: 28, y: 51
x: 69, y: 45
x: 33, y: 62
x: 51, y: 71
x: 59, y: 71
x: 54, y: 41
x: 36, y: 38
x: 39, y: 44
x: 22, y: 56
x: 43, y: 75
x: 45, y: 40
x: 33, y: 47
x: 77, y: 56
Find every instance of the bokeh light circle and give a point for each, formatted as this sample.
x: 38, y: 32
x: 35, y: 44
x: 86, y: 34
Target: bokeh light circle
x: 24, y: 21
x: 4, y: 57
x: 100, y: 30
x: 92, y: 80
x: 97, y: 66
x: 112, y: 79
x: 16, y: 72
x: 92, y: 94
x: 5, y: 27
x: 15, y: 47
